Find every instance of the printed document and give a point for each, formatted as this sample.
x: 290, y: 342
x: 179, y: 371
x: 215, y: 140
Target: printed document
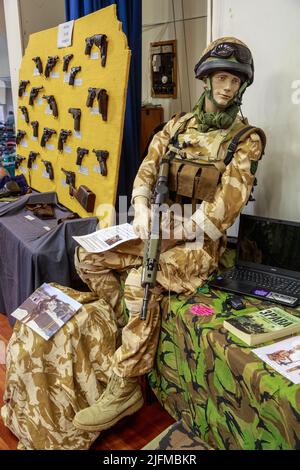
x: 107, y: 238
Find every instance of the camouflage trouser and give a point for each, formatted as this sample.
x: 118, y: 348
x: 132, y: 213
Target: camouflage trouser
x: 101, y: 272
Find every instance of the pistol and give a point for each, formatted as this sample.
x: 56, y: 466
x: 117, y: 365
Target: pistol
x: 18, y: 161
x: 102, y: 98
x: 46, y: 135
x: 88, y: 45
x: 31, y: 158
x: 66, y: 60
x: 33, y: 94
x: 52, y: 60
x: 38, y: 64
x: 20, y: 136
x: 24, y: 111
x: 70, y: 180
x: 73, y: 73
x: 85, y: 197
x: 76, y: 113
x: 91, y: 96
x: 35, y: 127
x: 52, y: 104
x: 100, y: 40
x: 22, y: 87
x: 49, y: 169
x: 63, y: 135
x: 102, y: 156
x: 80, y: 155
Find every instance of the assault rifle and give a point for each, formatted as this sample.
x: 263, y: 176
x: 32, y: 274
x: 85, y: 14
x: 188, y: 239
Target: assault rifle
x: 153, y: 244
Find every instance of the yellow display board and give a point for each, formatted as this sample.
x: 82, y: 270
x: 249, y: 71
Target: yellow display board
x: 95, y: 132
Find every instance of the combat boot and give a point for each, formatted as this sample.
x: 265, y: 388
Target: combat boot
x: 121, y: 398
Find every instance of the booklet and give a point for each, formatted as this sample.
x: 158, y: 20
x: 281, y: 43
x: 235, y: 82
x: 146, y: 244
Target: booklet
x: 46, y: 310
x: 284, y: 357
x: 107, y: 238
x: 263, y: 325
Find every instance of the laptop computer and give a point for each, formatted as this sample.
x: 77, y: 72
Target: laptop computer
x: 268, y: 261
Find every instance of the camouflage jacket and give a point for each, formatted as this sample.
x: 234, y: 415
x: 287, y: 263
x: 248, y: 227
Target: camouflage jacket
x: 237, y: 177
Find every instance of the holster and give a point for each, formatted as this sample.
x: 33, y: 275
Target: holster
x: 85, y: 197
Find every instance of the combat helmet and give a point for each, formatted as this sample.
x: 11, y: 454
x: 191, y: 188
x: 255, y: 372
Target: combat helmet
x: 227, y: 54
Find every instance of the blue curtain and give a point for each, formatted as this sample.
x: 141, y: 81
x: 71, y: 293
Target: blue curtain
x: 130, y: 14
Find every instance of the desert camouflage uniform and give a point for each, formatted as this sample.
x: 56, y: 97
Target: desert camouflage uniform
x: 182, y: 268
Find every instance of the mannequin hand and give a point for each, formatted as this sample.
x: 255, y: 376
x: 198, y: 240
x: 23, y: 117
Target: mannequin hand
x: 142, y: 217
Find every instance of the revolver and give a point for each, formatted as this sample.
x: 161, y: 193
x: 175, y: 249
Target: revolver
x: 100, y: 40
x: 70, y: 180
x: 18, y: 161
x: 73, y: 73
x: 35, y: 127
x: 52, y: 60
x: 80, y: 155
x: 24, y: 111
x: 102, y: 156
x: 63, y: 135
x: 20, y: 136
x: 66, y: 60
x: 91, y: 96
x: 33, y: 94
x: 49, y: 169
x: 31, y: 158
x: 46, y: 135
x: 102, y: 98
x: 22, y: 87
x: 52, y: 104
x: 88, y: 45
x: 76, y: 113
x: 38, y: 64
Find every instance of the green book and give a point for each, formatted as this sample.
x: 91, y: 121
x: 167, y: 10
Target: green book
x: 264, y: 325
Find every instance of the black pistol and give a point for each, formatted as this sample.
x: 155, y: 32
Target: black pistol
x: 66, y: 60
x: 24, y: 111
x: 76, y: 113
x: 63, y: 135
x: 102, y: 156
x: 49, y: 169
x: 80, y: 155
x: 91, y: 96
x: 20, y: 136
x: 18, y: 161
x: 100, y: 40
x: 102, y: 98
x: 52, y: 60
x: 46, y: 135
x: 35, y: 128
x: 38, y: 64
x: 70, y: 179
x: 22, y: 87
x: 31, y: 158
x: 73, y: 73
x: 33, y: 94
x: 52, y: 104
x: 88, y: 45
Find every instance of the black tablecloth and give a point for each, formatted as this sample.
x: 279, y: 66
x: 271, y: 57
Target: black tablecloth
x: 36, y: 251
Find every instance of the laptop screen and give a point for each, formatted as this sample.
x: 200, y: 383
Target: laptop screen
x: 269, y: 243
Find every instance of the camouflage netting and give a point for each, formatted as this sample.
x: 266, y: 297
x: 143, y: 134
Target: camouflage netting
x: 233, y: 399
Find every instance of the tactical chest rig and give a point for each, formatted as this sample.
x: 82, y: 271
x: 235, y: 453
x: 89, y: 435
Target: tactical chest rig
x: 195, y: 178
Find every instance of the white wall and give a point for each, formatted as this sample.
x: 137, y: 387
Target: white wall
x: 23, y: 17
x: 4, y: 65
x: 271, y: 29
x: 184, y: 20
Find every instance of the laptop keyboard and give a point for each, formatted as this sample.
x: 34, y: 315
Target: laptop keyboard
x: 266, y: 281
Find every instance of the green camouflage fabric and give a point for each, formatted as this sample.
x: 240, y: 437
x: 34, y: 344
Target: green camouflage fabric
x: 182, y: 267
x: 233, y: 399
x: 47, y: 382
x: 178, y: 436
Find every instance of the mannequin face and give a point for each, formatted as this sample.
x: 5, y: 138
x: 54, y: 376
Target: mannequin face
x: 224, y: 87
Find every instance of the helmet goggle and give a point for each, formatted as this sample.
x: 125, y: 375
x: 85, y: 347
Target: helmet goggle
x: 226, y: 49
